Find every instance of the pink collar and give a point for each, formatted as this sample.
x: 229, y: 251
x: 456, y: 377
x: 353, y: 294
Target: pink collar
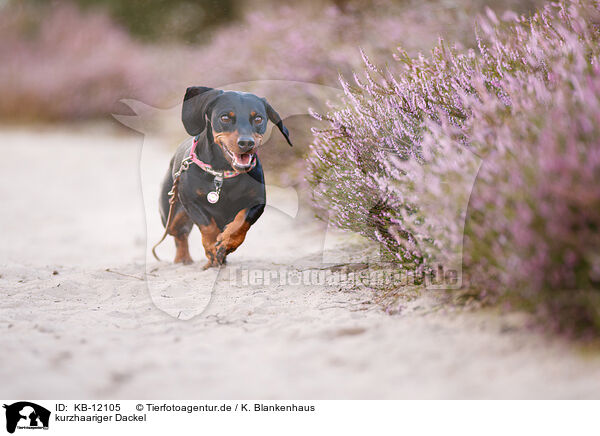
x: 226, y: 174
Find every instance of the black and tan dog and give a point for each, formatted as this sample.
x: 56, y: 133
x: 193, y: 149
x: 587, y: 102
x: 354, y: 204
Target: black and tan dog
x: 222, y: 191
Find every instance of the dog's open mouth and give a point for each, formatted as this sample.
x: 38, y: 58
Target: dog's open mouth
x: 241, y: 161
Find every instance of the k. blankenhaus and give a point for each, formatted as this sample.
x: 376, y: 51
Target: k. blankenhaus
x: 287, y: 408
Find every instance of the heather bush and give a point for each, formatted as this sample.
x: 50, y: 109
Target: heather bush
x: 539, y: 183
x: 520, y: 113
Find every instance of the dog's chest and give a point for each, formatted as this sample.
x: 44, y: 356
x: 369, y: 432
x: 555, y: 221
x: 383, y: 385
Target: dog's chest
x: 235, y: 194
x: 225, y: 191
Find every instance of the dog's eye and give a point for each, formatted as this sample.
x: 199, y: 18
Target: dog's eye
x: 225, y: 118
x: 258, y: 119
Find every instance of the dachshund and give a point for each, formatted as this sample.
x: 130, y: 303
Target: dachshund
x: 218, y: 178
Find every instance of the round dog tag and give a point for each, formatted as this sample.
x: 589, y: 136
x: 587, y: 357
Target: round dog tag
x: 212, y: 197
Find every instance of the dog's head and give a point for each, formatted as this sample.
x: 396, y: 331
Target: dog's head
x: 236, y: 121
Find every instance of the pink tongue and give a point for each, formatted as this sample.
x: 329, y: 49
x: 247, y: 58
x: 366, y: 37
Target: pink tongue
x: 243, y: 159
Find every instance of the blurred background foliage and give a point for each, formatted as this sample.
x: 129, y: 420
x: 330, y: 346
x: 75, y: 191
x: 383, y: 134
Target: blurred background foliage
x: 74, y: 60
x: 192, y: 21
x: 188, y: 21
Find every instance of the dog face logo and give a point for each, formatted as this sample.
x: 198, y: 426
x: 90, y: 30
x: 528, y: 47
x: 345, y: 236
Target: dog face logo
x: 26, y: 415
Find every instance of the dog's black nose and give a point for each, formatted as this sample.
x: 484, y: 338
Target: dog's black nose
x: 245, y: 144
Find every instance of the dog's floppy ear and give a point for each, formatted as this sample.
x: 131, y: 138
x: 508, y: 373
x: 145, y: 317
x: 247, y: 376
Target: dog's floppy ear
x: 196, y: 106
x: 276, y: 119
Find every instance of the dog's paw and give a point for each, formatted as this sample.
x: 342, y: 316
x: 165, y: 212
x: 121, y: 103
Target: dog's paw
x: 184, y: 260
x: 220, y: 253
x: 213, y: 264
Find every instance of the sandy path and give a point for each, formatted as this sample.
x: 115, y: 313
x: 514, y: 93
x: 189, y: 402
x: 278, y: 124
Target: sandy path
x: 88, y: 332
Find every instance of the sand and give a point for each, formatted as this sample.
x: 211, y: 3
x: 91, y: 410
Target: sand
x: 84, y: 315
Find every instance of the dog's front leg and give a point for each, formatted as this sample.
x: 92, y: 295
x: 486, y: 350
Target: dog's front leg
x: 209, y: 238
x: 232, y: 236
